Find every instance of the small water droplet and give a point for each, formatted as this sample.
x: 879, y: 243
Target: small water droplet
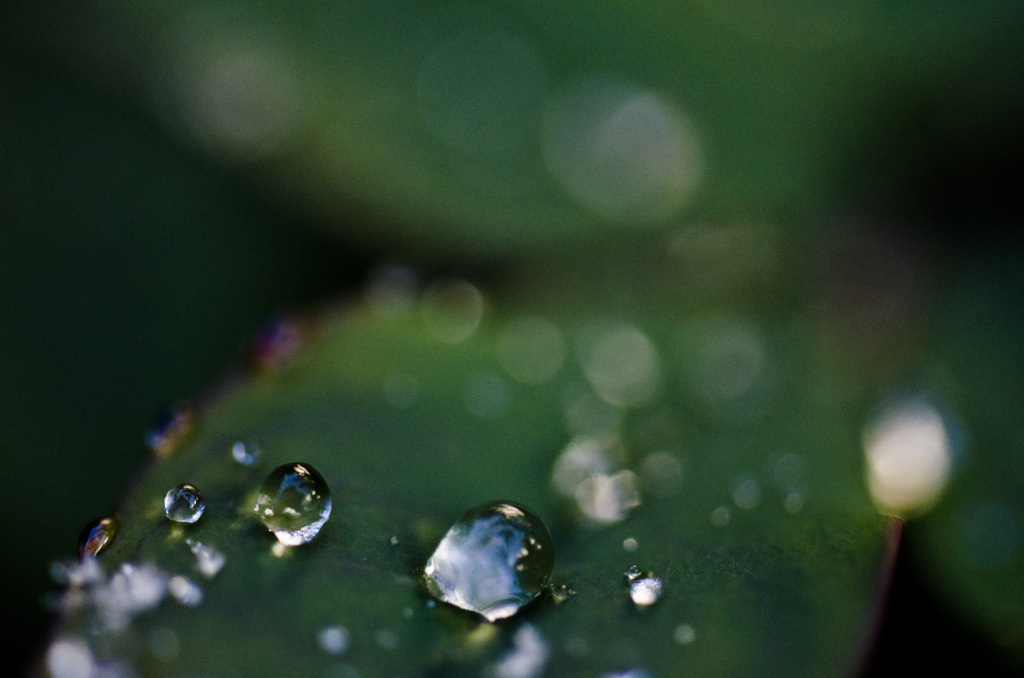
x: 393, y: 541
x: 184, y: 503
x: 645, y: 591
x: 746, y: 493
x: 527, y: 657
x: 632, y: 573
x: 277, y: 340
x: 169, y: 428
x: 684, y: 634
x: 70, y: 659
x: 209, y: 561
x: 96, y: 536
x: 494, y: 559
x: 561, y: 593
x: 333, y: 639
x: 294, y: 503
x: 185, y: 591
x: 452, y: 309
x: 246, y: 453
x: 630, y: 544
x: 386, y: 639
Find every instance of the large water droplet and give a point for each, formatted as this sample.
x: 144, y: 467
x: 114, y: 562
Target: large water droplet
x: 96, y: 536
x: 294, y: 503
x: 184, y: 503
x: 494, y: 560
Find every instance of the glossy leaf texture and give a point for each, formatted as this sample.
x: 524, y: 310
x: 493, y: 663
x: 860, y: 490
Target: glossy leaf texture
x: 710, y: 450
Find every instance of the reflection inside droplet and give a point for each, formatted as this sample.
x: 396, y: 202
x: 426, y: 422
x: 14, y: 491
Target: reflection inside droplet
x: 492, y: 561
x: 621, y: 152
x: 908, y: 457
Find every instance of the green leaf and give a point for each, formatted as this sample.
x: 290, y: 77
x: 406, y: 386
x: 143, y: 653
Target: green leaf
x: 752, y: 511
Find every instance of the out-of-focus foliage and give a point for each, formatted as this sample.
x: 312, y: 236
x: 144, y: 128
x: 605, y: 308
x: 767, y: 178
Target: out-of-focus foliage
x: 170, y: 173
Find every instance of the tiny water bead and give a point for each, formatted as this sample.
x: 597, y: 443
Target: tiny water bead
x: 96, y: 536
x: 294, y: 502
x: 494, y: 559
x: 169, y: 428
x: 184, y: 503
x: 246, y: 453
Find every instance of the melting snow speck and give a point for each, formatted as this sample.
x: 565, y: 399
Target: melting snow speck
x: 294, y: 502
x: 492, y: 561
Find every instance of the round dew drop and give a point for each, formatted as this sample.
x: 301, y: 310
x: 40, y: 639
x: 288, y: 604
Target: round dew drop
x: 294, y: 502
x: 494, y: 559
x: 184, y: 504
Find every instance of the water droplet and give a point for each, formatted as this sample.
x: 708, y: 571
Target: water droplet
x: 629, y: 544
x: 909, y: 458
x: 169, y: 428
x: 720, y: 516
x: 622, y: 153
x: 527, y: 656
x: 452, y: 309
x: 333, y: 639
x: 393, y: 541
x: 561, y: 593
x: 621, y: 364
x: 684, y: 634
x: 645, y: 591
x: 185, y: 591
x: 746, y: 493
x: 96, y: 536
x: 632, y: 573
x: 386, y: 639
x: 294, y: 503
x: 585, y: 471
x: 608, y: 499
x: 209, y: 561
x: 494, y: 559
x: 70, y: 659
x: 246, y: 454
x: 184, y: 504
x: 531, y: 349
x: 277, y: 340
